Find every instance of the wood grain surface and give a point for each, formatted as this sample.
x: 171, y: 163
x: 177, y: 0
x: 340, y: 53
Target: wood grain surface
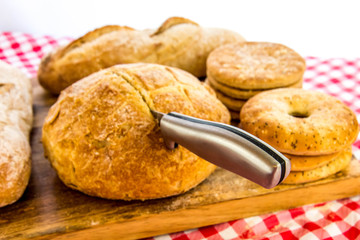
x: 50, y: 210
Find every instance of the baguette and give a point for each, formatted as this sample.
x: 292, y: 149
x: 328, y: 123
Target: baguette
x: 15, y: 126
x: 178, y: 42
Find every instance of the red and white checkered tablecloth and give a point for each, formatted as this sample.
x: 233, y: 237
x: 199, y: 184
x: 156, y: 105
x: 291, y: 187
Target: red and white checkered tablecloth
x: 339, y: 219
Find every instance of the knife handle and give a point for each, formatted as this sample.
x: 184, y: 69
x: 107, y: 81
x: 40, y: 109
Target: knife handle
x: 228, y: 147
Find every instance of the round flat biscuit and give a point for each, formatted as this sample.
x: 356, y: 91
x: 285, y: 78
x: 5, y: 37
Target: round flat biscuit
x: 230, y: 103
x: 243, y: 93
x: 255, y: 65
x: 235, y: 115
x: 334, y: 166
x: 305, y: 163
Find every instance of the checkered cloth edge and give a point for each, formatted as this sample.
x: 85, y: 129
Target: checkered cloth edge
x: 339, y: 219
x: 25, y: 51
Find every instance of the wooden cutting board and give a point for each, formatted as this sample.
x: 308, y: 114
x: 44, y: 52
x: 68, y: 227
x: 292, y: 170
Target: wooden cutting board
x: 48, y: 209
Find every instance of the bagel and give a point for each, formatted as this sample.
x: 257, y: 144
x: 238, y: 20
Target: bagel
x: 300, y: 122
x: 305, y: 163
x: 255, y: 65
x: 339, y: 163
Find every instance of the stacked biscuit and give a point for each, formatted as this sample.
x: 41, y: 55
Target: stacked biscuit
x: 314, y: 130
x: 239, y: 71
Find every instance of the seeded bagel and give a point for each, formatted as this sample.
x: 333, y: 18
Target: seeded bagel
x: 339, y: 163
x: 300, y: 122
x: 305, y: 163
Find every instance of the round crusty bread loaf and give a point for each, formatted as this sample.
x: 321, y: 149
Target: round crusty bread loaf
x: 102, y: 139
x: 15, y: 125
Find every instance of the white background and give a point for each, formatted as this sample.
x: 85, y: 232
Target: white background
x: 311, y: 27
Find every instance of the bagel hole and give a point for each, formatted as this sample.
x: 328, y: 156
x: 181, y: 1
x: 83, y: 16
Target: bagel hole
x: 299, y: 114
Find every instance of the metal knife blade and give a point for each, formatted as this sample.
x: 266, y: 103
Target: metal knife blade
x: 226, y: 146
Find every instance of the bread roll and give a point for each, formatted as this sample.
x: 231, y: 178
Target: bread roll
x: 15, y: 125
x: 178, y: 42
x: 102, y: 139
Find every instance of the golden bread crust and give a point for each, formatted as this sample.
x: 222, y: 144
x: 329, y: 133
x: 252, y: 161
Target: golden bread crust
x: 102, y: 139
x: 15, y: 126
x: 300, y: 122
x: 238, y: 93
x: 255, y: 65
x: 179, y: 42
x: 339, y: 163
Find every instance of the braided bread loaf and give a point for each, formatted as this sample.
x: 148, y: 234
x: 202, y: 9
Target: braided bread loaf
x: 178, y: 42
